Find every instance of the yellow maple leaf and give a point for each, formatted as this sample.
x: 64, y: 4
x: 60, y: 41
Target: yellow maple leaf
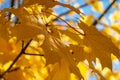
x: 116, y: 27
x: 60, y: 71
x: 115, y: 17
x: 100, y: 45
x: 97, y: 6
x: 55, y: 50
x: 83, y: 69
x: 5, y: 47
x: 88, y: 19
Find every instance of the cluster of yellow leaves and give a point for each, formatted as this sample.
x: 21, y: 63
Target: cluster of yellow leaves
x: 115, y: 17
x: 114, y: 33
x: 96, y: 5
x: 94, y: 47
x: 64, y: 50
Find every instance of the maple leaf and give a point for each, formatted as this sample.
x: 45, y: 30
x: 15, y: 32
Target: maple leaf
x: 6, y: 46
x: 23, y: 31
x: 114, y: 17
x: 27, y: 23
x: 4, y: 32
x: 51, y: 4
x: 77, y: 53
x: 83, y: 69
x: 72, y: 36
x: 98, y: 45
x: 60, y: 71
x: 116, y: 27
x: 5, y: 51
x: 55, y: 50
x: 88, y: 19
x: 94, y: 4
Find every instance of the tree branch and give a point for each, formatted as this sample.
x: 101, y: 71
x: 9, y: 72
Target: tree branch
x: 16, y: 59
x: 12, y: 3
x: 105, y: 11
x: 67, y: 12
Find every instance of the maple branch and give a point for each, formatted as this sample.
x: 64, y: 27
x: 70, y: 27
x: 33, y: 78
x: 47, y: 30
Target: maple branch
x: 16, y: 59
x: 15, y: 69
x: 105, y: 11
x: 81, y: 6
x: 12, y: 3
x: 22, y: 44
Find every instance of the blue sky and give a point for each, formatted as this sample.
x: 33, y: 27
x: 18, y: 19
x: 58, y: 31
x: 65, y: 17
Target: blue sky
x: 87, y: 10
x: 6, y: 4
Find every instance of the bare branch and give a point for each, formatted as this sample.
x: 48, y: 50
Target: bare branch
x: 12, y: 3
x: 105, y: 11
x: 67, y: 12
x: 16, y: 59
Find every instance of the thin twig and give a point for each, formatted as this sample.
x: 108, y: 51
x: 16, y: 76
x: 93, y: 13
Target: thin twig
x: 22, y: 44
x: 105, y: 11
x: 16, y: 59
x: 81, y: 6
x: 12, y: 3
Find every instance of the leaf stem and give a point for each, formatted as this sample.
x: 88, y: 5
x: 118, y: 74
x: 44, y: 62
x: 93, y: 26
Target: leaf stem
x: 105, y: 11
x: 16, y: 59
x: 34, y: 54
x: 66, y: 23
